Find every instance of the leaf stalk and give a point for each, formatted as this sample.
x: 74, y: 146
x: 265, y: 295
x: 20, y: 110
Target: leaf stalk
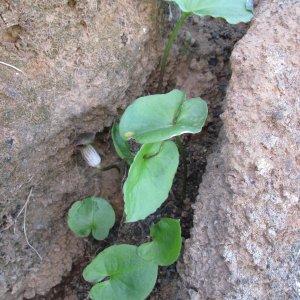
x: 171, y: 39
x: 183, y: 154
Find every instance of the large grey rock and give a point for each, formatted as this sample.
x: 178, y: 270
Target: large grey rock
x: 245, y: 240
x: 82, y: 62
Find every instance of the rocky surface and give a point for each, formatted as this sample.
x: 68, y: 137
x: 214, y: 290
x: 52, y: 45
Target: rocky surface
x: 245, y: 240
x: 199, y: 65
x: 82, y: 61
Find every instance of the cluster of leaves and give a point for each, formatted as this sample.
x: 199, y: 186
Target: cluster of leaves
x: 152, y: 121
x: 129, y: 272
x: 123, y: 271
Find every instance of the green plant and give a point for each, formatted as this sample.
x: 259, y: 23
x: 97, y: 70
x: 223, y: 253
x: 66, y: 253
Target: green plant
x: 233, y: 11
x: 91, y: 215
x: 128, y: 272
x: 152, y: 121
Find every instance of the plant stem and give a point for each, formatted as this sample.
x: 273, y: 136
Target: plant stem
x: 182, y: 153
x: 171, y: 39
x: 117, y: 165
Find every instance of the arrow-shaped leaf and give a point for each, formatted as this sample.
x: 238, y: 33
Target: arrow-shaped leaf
x: 150, y: 178
x: 157, y: 118
x: 122, y: 274
x: 233, y: 11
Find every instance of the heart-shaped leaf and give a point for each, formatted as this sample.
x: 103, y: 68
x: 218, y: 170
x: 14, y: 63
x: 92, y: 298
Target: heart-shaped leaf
x: 122, y: 146
x: 233, y: 11
x: 166, y: 245
x: 157, y: 118
x: 126, y: 275
x: 91, y: 215
x: 149, y: 180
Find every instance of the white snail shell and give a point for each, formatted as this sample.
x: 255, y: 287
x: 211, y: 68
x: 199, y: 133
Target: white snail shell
x: 91, y: 156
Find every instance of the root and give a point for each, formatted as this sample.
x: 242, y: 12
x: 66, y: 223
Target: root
x: 11, y: 66
x: 24, y: 208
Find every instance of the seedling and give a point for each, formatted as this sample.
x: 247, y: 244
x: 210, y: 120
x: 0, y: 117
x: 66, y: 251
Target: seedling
x: 125, y: 271
x: 233, y: 11
x: 152, y: 121
x: 93, y: 215
x: 128, y: 272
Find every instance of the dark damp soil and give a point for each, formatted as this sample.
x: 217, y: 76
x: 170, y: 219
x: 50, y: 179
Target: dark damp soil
x: 200, y: 66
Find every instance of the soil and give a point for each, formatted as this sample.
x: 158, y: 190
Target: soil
x: 200, y: 65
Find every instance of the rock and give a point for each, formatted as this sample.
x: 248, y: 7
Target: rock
x: 82, y: 62
x: 245, y: 239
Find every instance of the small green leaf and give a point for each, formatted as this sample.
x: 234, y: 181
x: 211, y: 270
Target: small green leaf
x: 129, y: 276
x: 233, y: 11
x: 91, y: 215
x: 157, y: 118
x: 166, y: 245
x: 122, y: 146
x: 150, y: 179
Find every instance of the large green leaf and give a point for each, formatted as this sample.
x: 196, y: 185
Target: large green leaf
x: 122, y: 146
x: 124, y: 274
x: 166, y: 245
x: 233, y: 11
x: 91, y: 215
x: 150, y: 179
x: 157, y: 118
